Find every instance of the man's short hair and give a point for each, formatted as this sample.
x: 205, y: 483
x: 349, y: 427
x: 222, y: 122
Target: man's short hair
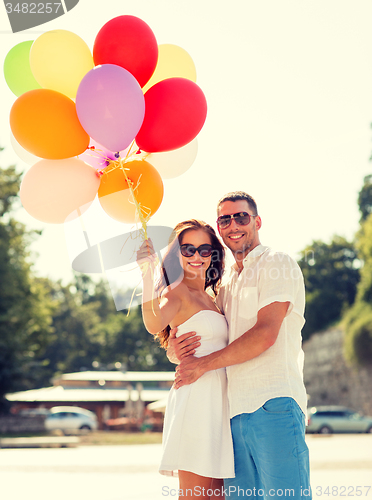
x: 239, y: 195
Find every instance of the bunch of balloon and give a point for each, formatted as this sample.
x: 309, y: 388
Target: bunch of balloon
x: 45, y: 131
x: 113, y: 122
x: 174, y: 113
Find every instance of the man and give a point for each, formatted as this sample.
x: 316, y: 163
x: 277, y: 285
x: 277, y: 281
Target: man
x: 263, y: 302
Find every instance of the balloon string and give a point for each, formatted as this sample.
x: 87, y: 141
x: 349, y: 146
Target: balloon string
x: 134, y: 199
x: 143, y: 212
x: 110, y: 161
x: 129, y: 152
x: 144, y: 268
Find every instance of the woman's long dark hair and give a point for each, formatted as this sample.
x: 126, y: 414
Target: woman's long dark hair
x: 171, y: 269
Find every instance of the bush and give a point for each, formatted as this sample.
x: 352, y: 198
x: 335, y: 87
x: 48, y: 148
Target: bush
x: 358, y: 335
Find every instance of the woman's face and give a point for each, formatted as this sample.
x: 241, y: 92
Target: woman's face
x: 196, y: 264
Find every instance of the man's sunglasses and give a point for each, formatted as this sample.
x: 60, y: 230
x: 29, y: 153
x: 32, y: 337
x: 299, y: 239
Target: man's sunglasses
x: 241, y: 218
x: 188, y: 250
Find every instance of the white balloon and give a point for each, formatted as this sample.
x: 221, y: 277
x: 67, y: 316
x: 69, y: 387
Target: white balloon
x: 174, y: 163
x: 22, y: 153
x: 58, y: 191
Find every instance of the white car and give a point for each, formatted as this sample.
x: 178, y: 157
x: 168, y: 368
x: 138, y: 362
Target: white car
x: 71, y: 419
x: 329, y: 419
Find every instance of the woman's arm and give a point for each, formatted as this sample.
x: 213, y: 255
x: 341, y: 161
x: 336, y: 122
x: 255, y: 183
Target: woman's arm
x: 157, y: 314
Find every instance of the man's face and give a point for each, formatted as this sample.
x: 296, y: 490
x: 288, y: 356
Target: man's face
x: 239, y: 239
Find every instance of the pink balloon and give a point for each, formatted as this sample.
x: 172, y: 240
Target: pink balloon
x: 110, y: 106
x: 57, y: 191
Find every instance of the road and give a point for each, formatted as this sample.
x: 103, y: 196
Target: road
x: 341, y: 463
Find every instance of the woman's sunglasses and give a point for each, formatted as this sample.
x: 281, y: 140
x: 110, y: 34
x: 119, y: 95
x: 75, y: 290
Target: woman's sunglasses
x: 241, y: 218
x: 188, y: 250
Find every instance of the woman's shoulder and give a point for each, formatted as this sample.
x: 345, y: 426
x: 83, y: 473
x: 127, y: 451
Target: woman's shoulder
x: 175, y: 298
x: 177, y: 291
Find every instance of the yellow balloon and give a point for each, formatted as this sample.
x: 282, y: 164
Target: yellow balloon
x: 173, y: 61
x: 59, y: 59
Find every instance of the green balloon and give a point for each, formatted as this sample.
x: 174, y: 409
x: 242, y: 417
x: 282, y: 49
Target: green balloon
x: 17, y: 70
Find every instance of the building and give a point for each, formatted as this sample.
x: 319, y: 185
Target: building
x: 110, y: 394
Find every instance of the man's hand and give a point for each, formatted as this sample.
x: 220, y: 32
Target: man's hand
x: 188, y: 371
x: 182, y: 346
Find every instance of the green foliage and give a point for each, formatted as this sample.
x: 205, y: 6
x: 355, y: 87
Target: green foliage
x: 364, y: 248
x: 358, y: 334
x: 358, y: 322
x: 24, y: 308
x: 331, y: 275
x: 365, y: 198
x: 47, y: 328
x: 87, y: 329
x: 9, y: 187
x: 131, y: 340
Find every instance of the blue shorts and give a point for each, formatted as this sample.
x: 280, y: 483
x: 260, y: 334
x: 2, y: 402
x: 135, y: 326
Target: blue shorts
x: 271, y: 456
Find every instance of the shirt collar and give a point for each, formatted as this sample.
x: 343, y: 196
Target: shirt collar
x: 256, y: 252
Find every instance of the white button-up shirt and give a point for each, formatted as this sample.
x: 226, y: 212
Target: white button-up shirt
x: 267, y: 277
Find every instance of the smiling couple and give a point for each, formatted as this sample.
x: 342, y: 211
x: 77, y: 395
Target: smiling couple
x: 235, y: 418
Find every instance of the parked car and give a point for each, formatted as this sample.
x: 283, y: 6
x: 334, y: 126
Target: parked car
x: 329, y: 419
x: 71, y: 419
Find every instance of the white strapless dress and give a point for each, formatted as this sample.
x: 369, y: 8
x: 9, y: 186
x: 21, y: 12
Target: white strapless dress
x: 196, y: 436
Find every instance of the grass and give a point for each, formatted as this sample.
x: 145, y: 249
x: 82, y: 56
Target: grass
x: 104, y: 438
x: 24, y: 434
x: 112, y: 438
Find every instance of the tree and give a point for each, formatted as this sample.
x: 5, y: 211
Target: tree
x: 365, y: 198
x: 331, y: 276
x: 364, y: 247
x: 358, y: 334
x: 358, y: 321
x: 47, y: 328
x: 128, y: 341
x: 88, y: 331
x: 24, y: 308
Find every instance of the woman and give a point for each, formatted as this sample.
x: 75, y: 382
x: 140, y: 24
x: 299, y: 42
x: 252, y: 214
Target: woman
x: 197, y: 444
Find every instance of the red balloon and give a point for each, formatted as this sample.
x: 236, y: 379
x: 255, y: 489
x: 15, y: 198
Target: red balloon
x: 176, y: 110
x: 127, y: 41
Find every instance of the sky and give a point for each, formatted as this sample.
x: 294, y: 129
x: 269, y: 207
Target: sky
x: 289, y: 90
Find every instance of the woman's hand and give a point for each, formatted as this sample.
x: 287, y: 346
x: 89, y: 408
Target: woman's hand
x: 146, y: 257
x: 157, y: 312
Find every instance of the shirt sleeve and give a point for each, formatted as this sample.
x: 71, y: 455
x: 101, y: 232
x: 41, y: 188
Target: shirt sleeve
x: 280, y: 280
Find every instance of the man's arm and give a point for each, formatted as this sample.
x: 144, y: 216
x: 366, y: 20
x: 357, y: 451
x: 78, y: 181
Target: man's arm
x: 250, y: 345
x: 182, y: 346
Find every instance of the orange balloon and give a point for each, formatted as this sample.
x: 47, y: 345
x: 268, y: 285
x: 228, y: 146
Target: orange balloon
x: 115, y: 197
x: 45, y: 123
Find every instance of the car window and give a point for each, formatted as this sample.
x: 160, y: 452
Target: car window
x: 329, y: 414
